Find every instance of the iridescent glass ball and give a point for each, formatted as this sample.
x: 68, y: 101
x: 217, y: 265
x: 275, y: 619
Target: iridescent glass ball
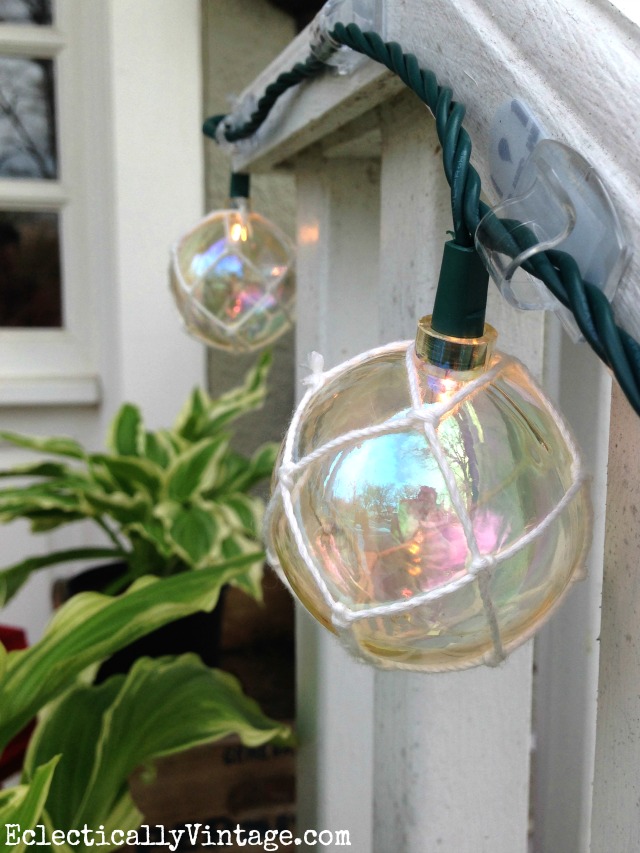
x: 233, y: 280
x: 431, y: 521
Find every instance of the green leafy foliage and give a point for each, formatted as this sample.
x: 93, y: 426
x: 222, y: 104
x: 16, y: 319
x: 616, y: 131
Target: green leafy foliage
x: 169, y: 500
x: 160, y: 707
x: 24, y: 804
x: 173, y: 505
x: 91, y: 626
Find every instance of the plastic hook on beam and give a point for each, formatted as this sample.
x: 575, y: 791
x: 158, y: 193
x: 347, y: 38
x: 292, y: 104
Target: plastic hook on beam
x: 557, y: 202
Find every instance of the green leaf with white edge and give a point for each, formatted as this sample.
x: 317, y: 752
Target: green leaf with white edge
x: 196, y: 470
x: 38, y: 469
x: 24, y: 804
x: 250, y: 581
x: 43, y: 522
x: 158, y: 449
x: 243, y: 512
x: 229, y: 406
x: 193, y: 414
x: 63, y: 493
x: 13, y: 577
x: 152, y: 530
x: 125, y: 509
x: 3, y: 659
x: 129, y: 474
x: 76, y: 744
x: 60, y: 446
x: 126, y: 432
x: 162, y: 707
x: 90, y: 627
x: 244, y: 473
x: 239, y: 401
x: 194, y: 533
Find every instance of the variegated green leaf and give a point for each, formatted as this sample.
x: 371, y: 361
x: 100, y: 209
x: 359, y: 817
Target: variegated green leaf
x: 76, y: 744
x: 38, y: 469
x: 90, y: 626
x: 158, y: 449
x: 23, y: 805
x: 196, y: 470
x: 13, y: 577
x: 163, y: 706
x: 153, y: 531
x: 193, y: 415
x: 125, y: 509
x: 42, y: 522
x: 243, y: 473
x: 126, y: 433
x: 130, y: 475
x: 243, y: 512
x: 250, y: 581
x: 194, y: 533
x: 238, y: 401
x: 63, y: 493
x: 61, y: 446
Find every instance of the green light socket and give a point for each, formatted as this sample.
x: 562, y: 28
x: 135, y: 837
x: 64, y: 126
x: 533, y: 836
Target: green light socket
x: 239, y: 185
x: 461, y: 297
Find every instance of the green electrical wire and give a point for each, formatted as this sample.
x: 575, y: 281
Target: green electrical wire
x: 311, y: 67
x: 557, y: 270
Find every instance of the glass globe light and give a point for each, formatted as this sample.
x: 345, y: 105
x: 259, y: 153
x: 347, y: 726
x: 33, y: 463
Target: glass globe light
x: 233, y: 281
x: 432, y: 518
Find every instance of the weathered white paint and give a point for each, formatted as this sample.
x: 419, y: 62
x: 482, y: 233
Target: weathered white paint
x: 138, y: 184
x: 567, y: 649
x: 437, y: 736
x: 490, y: 51
x: 442, y: 771
x: 338, y: 227
x: 616, y: 791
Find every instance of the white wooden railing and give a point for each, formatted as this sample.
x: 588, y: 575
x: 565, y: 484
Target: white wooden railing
x: 423, y: 763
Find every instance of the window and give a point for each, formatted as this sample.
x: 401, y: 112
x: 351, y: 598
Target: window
x: 46, y: 348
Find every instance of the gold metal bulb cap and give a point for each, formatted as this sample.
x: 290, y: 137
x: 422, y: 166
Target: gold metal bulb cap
x: 462, y: 355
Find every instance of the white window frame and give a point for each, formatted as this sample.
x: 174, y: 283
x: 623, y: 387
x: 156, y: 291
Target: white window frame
x: 55, y: 366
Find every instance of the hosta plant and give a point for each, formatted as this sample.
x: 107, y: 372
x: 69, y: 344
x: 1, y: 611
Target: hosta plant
x: 90, y: 737
x: 163, y: 501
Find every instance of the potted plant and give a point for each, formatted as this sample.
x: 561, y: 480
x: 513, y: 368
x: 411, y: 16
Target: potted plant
x: 164, y: 502
x: 90, y: 737
x: 172, y: 505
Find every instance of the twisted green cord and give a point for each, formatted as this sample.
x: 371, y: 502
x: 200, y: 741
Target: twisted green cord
x: 311, y: 67
x: 557, y: 270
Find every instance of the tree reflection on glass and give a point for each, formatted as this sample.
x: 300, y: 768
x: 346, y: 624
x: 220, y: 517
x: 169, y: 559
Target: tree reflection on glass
x: 27, y: 118
x: 30, y: 292
x: 37, y: 12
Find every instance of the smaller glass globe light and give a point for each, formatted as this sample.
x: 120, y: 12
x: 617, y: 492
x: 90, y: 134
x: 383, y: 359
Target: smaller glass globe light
x: 232, y: 277
x: 431, y: 517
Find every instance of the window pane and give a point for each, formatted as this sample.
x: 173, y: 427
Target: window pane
x: 30, y: 291
x: 26, y: 12
x: 27, y: 118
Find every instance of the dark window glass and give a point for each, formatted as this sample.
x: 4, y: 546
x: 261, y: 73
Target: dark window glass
x: 30, y: 290
x: 27, y: 118
x: 37, y: 12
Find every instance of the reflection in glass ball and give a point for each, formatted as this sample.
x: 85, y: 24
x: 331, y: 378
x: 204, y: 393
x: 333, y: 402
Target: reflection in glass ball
x: 233, y: 282
x: 433, y: 529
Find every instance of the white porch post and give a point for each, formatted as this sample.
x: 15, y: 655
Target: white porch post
x: 451, y: 751
x: 338, y: 225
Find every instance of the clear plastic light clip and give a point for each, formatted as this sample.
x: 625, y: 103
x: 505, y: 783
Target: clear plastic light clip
x: 367, y: 14
x: 242, y: 108
x: 556, y: 200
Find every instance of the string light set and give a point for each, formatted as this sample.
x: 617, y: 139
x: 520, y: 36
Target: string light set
x: 429, y: 504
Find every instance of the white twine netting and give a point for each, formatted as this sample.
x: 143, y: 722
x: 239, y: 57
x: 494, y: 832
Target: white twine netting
x: 424, y: 417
